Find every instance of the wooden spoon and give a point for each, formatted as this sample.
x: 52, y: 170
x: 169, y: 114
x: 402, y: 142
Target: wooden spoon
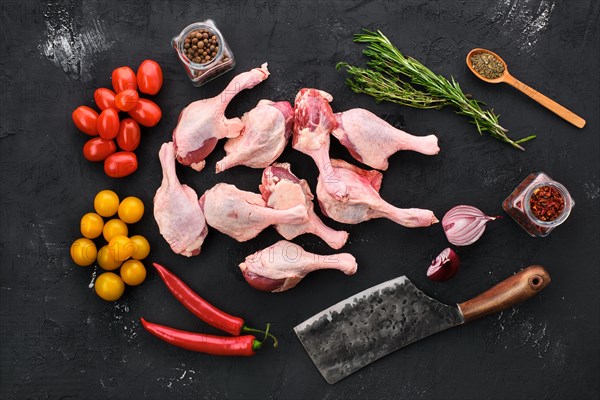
x: 529, y: 91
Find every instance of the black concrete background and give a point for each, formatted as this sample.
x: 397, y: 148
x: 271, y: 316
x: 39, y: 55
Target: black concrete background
x: 59, y: 340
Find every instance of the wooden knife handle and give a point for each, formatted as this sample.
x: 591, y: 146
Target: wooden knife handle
x: 507, y: 293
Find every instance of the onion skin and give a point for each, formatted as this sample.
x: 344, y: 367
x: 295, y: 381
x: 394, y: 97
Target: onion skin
x: 444, y: 266
x: 464, y: 225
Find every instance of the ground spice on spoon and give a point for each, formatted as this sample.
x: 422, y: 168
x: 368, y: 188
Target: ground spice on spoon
x: 487, y: 65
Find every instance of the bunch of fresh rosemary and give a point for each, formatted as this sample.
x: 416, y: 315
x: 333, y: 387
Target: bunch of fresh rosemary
x: 384, y: 81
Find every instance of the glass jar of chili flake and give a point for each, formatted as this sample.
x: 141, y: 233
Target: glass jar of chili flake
x: 203, y: 52
x: 539, y: 204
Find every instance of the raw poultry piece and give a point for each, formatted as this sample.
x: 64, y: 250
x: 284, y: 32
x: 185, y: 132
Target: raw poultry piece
x: 281, y: 266
x: 202, y: 123
x: 243, y: 215
x: 364, y: 203
x: 372, y: 140
x: 281, y: 189
x: 176, y: 209
x: 267, y: 128
x: 313, y: 123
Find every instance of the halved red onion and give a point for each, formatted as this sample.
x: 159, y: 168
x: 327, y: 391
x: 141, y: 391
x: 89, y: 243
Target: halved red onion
x: 464, y: 225
x: 445, y: 266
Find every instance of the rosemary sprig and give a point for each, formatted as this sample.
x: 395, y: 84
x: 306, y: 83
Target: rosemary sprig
x: 390, y: 88
x: 383, y: 80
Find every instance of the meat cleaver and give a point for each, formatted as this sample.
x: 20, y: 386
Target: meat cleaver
x: 384, y: 318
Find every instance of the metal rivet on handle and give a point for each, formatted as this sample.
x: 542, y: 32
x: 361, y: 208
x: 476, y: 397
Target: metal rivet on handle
x: 536, y: 281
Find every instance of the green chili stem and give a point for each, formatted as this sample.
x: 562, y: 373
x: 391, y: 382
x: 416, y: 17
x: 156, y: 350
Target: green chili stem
x: 258, y: 344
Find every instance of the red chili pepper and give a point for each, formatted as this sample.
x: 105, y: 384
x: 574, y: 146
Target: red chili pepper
x: 210, y: 344
x: 238, y: 345
x: 200, y: 307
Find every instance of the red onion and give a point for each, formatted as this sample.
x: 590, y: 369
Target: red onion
x: 464, y: 225
x: 445, y: 266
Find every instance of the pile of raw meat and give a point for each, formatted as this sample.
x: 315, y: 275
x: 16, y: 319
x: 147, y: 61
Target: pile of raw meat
x: 346, y: 193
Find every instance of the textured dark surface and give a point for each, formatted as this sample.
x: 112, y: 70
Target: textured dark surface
x: 373, y: 323
x: 59, y: 340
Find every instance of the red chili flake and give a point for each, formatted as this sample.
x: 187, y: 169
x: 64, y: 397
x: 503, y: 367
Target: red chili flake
x: 546, y: 203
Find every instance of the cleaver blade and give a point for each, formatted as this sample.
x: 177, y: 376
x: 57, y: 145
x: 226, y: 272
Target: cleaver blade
x: 384, y: 318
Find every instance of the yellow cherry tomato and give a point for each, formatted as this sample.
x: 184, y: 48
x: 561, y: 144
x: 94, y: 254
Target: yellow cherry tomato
x: 133, y: 272
x: 83, y: 252
x: 114, y: 227
x: 142, y: 247
x: 121, y: 248
x: 106, y: 259
x: 91, y: 225
x: 131, y: 210
x: 106, y: 203
x: 109, y: 286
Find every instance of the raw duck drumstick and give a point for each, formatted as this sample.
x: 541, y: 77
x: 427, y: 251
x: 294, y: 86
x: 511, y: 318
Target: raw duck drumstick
x: 281, y: 266
x: 313, y: 123
x: 267, y: 129
x: 176, y: 209
x: 243, y: 215
x: 371, y: 140
x: 202, y: 123
x: 281, y: 189
x: 364, y: 202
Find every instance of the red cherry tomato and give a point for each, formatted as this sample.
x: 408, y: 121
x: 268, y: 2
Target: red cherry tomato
x: 127, y: 99
x: 86, y: 120
x: 149, y: 77
x: 108, y: 124
x: 120, y: 164
x: 128, y: 138
x: 97, y: 149
x: 123, y: 78
x: 146, y: 113
x: 104, y: 98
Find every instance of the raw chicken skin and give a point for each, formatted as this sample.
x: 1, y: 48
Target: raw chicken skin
x: 313, y: 123
x: 243, y: 215
x: 281, y: 189
x: 202, y: 123
x: 364, y: 202
x: 267, y: 128
x: 371, y: 140
x: 281, y: 266
x: 176, y: 209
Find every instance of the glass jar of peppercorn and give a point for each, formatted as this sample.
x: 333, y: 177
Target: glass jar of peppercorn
x: 203, y: 52
x: 539, y: 204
